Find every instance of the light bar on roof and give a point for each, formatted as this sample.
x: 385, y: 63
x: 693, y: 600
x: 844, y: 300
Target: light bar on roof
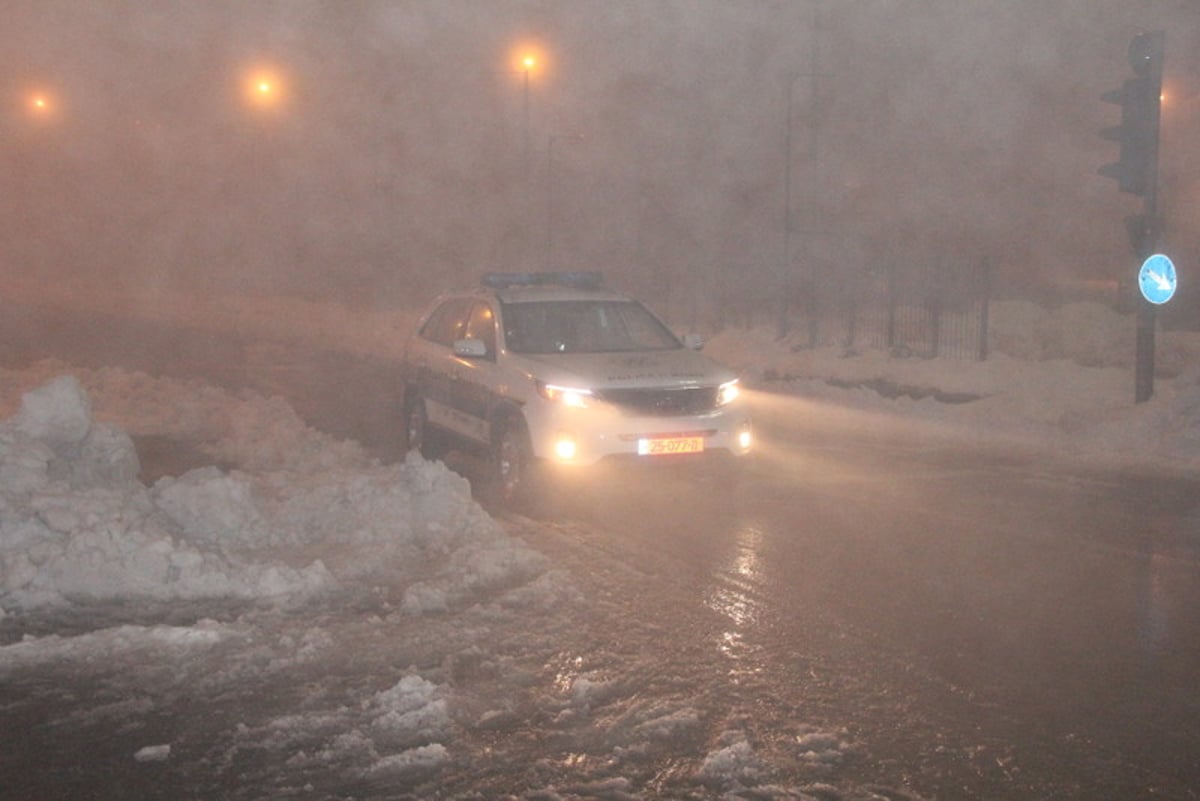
x: 582, y: 279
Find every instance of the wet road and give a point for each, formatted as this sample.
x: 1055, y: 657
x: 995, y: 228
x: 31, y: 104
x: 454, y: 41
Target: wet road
x: 994, y: 624
x: 1051, y: 610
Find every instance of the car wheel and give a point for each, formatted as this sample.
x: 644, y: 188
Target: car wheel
x: 514, y: 469
x: 418, y: 435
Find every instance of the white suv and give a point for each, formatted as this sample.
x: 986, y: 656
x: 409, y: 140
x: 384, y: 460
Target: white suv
x: 552, y: 370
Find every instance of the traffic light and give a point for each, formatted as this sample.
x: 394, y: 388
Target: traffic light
x: 1139, y: 98
x: 1141, y: 229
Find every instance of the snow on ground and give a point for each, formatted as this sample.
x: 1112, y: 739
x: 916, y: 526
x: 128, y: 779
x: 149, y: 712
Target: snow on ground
x: 303, y: 514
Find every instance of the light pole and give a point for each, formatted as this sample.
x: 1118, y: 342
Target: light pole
x: 528, y: 62
x: 814, y: 74
x: 784, y: 308
x: 525, y: 63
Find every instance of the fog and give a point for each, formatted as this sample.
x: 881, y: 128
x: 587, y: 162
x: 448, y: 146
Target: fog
x: 401, y: 148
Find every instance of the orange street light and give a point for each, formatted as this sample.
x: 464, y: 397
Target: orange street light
x: 527, y: 58
x: 41, y: 104
x: 264, y: 88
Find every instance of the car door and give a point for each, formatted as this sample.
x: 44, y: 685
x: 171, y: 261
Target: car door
x: 433, y: 364
x: 475, y: 375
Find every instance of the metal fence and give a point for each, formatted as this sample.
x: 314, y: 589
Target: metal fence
x: 924, y: 310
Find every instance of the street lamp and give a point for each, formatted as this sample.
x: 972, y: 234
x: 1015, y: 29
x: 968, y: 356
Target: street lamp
x: 784, y: 306
x: 41, y: 104
x: 264, y: 88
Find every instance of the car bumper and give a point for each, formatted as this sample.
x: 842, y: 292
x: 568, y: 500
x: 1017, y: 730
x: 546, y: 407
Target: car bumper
x: 587, y: 439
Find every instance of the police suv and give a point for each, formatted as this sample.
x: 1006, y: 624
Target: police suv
x: 548, y: 371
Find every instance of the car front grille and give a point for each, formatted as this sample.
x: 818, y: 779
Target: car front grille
x: 662, y: 402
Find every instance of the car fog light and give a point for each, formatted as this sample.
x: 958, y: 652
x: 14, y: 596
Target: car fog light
x: 744, y: 439
x: 565, y: 448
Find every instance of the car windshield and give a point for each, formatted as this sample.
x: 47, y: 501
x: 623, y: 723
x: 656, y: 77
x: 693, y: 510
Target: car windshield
x: 584, y: 326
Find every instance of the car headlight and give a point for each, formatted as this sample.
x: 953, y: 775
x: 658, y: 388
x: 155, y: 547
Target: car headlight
x: 565, y: 447
x: 576, y: 397
x: 728, y: 392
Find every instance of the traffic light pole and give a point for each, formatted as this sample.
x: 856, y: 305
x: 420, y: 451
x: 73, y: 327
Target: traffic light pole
x: 1147, y: 312
x: 1136, y: 172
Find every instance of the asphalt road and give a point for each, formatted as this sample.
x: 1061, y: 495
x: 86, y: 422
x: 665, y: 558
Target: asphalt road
x: 924, y: 596
x: 1052, y: 610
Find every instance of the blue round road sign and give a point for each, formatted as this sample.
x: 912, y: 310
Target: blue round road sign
x: 1157, y: 279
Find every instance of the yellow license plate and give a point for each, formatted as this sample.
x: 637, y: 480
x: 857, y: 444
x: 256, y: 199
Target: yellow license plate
x: 662, y: 446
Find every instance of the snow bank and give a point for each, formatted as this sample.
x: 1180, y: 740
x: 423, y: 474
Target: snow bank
x: 302, y: 515
x: 75, y: 523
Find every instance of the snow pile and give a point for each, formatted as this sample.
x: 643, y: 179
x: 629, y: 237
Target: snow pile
x: 75, y: 523
x: 55, y: 424
x: 307, y: 514
x: 733, y: 760
x: 397, y: 732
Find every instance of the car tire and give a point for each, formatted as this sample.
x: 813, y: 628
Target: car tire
x: 417, y: 432
x: 514, y: 470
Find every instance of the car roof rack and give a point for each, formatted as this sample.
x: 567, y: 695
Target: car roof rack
x: 582, y: 279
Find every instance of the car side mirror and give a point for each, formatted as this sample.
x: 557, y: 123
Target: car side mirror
x: 470, y: 348
x: 693, y: 341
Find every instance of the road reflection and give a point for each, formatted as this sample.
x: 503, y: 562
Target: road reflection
x: 735, y: 591
x: 1153, y: 620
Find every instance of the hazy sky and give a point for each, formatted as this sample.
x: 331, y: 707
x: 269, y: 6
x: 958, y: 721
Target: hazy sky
x: 407, y: 148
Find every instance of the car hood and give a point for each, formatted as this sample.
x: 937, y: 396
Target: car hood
x: 658, y: 369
